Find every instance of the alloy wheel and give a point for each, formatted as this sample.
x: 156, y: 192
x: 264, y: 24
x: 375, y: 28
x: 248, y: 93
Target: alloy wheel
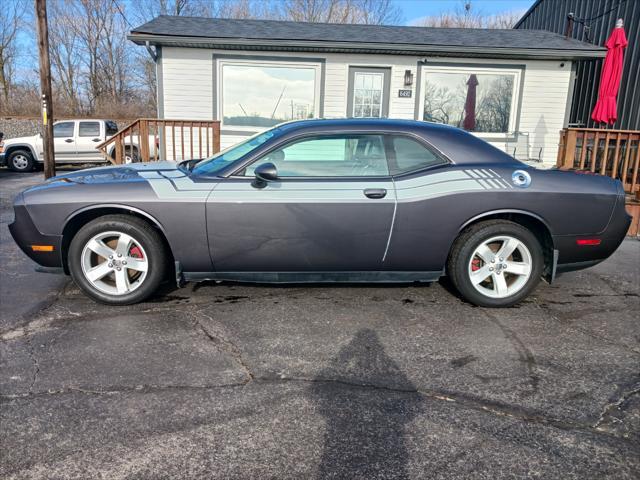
x: 20, y: 162
x: 114, y: 263
x: 500, y: 266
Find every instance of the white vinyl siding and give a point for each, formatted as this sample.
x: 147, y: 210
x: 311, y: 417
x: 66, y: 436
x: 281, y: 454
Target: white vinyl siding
x: 188, y: 90
x: 187, y: 81
x: 337, y: 82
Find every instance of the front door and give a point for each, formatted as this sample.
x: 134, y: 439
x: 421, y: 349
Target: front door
x: 368, y: 95
x: 329, y: 210
x: 64, y: 141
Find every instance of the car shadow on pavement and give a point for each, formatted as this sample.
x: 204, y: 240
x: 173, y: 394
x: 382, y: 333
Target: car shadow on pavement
x: 366, y: 401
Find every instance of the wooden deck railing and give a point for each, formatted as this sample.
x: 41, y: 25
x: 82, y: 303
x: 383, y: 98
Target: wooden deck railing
x: 615, y: 153
x: 148, y: 139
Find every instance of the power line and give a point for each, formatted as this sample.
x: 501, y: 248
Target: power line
x: 595, y: 17
x: 117, y: 5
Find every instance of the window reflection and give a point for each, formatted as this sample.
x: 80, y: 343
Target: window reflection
x: 479, y: 102
x: 265, y: 95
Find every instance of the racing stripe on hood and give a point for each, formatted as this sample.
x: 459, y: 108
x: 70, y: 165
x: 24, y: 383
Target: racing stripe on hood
x: 169, y: 186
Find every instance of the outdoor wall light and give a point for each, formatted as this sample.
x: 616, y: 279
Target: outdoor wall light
x: 408, y: 78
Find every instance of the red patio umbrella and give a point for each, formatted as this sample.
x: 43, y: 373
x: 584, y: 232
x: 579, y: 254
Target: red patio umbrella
x: 606, y: 110
x: 469, y: 122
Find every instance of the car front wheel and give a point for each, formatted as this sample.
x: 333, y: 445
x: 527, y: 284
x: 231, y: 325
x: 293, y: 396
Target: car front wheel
x: 496, y: 263
x: 20, y: 161
x: 117, y: 259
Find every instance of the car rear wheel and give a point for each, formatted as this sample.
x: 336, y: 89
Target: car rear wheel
x: 496, y: 263
x: 20, y: 161
x: 131, y: 155
x: 117, y: 259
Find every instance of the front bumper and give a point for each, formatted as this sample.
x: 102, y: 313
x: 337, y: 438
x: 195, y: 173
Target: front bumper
x: 25, y: 234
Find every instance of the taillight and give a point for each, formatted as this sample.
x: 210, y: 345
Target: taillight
x: 1, y: 147
x: 584, y: 242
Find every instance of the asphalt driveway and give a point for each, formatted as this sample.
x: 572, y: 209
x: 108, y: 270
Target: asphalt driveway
x: 236, y: 381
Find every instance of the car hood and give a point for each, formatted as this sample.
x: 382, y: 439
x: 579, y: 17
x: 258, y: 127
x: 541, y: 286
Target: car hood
x: 132, y: 173
x: 14, y: 141
x: 116, y: 173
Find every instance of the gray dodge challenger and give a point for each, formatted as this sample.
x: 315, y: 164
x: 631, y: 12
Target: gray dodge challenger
x: 325, y: 201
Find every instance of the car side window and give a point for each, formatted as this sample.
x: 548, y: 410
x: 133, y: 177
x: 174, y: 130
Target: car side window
x: 64, y: 129
x: 328, y: 156
x: 411, y: 155
x: 89, y: 129
x: 111, y: 128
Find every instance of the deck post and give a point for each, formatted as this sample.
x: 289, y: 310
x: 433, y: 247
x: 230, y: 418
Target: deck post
x: 118, y: 158
x: 144, y: 140
x: 569, y: 156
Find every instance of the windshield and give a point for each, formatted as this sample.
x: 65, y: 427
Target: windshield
x: 221, y: 160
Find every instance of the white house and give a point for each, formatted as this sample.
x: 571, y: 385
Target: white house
x: 510, y: 87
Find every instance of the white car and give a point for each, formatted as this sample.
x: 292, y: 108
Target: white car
x: 74, y: 141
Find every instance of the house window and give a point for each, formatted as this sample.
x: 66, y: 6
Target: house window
x: 480, y: 100
x: 260, y: 94
x: 367, y: 94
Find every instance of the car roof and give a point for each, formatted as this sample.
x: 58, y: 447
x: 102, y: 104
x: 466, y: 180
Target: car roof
x: 456, y: 144
x: 83, y: 120
x: 390, y: 123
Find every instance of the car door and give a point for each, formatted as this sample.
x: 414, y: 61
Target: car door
x: 329, y: 210
x: 427, y: 187
x: 90, y: 134
x: 64, y: 141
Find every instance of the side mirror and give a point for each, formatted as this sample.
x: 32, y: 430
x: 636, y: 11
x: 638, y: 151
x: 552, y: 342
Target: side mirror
x: 267, y: 172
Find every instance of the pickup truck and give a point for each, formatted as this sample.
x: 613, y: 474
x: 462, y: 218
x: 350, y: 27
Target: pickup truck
x: 74, y: 142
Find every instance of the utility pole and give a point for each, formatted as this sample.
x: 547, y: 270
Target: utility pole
x: 45, y: 88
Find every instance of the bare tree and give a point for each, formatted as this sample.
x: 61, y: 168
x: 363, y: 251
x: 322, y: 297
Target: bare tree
x: 244, y: 9
x: 376, y: 12
x: 341, y: 11
x: 465, y: 15
x: 326, y: 11
x: 462, y: 15
x: 504, y: 20
x: 143, y: 11
x: 11, y: 22
x: 64, y: 49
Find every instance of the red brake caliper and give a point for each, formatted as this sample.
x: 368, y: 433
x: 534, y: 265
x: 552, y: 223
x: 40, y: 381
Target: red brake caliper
x: 475, y: 264
x: 135, y: 252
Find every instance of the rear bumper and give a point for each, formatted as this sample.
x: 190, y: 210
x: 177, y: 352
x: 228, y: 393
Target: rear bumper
x: 3, y: 159
x: 575, y: 257
x: 25, y: 234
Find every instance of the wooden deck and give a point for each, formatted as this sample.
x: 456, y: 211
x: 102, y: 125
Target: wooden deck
x: 148, y: 139
x: 615, y: 153
x: 633, y: 209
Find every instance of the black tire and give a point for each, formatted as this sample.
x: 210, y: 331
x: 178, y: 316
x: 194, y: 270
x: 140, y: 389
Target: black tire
x: 144, y: 234
x: 132, y: 153
x: 471, y: 238
x: 20, y: 161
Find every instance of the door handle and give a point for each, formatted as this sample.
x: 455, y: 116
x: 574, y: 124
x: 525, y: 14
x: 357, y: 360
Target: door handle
x: 375, y: 192
x: 95, y: 140
x: 69, y: 140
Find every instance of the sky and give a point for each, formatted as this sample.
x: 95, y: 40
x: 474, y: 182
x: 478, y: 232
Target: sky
x: 415, y: 9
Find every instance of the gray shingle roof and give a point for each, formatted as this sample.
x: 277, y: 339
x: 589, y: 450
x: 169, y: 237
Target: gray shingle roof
x: 283, y: 35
